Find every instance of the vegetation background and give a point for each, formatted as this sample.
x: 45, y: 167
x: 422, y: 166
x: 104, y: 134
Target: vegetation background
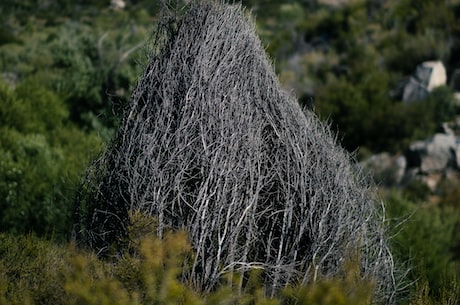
x: 67, y: 69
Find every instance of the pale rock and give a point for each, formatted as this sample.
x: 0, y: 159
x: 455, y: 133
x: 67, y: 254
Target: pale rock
x: 432, y: 180
x: 386, y: 169
x: 428, y: 76
x: 434, y: 154
x: 438, y: 75
x: 457, y: 154
x: 117, y: 4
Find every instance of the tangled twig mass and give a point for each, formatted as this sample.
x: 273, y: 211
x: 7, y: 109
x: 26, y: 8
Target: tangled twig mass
x: 212, y: 144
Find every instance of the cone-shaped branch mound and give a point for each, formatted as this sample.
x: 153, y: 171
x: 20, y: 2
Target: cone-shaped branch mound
x: 213, y: 145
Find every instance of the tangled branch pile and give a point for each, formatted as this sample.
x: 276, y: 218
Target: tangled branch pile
x: 213, y: 145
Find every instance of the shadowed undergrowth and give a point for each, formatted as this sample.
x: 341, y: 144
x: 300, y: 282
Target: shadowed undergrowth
x: 36, y: 271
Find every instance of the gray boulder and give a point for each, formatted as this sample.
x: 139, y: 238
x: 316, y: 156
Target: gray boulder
x: 386, y: 169
x: 457, y: 153
x: 427, y: 76
x: 434, y: 154
x: 117, y: 4
x: 414, y: 91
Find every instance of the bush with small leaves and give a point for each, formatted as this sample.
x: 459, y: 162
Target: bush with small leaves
x: 36, y: 271
x: 41, y: 159
x: 424, y: 239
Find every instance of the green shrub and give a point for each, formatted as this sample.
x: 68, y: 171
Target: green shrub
x: 417, y: 191
x: 424, y: 235
x: 41, y: 159
x: 364, y: 117
x: 92, y: 69
x: 97, y: 69
x: 444, y: 104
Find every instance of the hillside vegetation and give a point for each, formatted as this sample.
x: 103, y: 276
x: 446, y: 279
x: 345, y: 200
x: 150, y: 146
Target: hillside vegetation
x: 68, y: 69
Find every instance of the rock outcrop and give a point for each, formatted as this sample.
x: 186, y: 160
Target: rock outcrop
x: 434, y: 154
x: 117, y: 4
x: 430, y: 161
x: 386, y: 169
x: 427, y: 76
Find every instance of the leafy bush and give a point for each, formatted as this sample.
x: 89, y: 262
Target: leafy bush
x: 363, y: 117
x: 443, y: 103
x: 41, y: 158
x: 417, y: 191
x: 93, y: 70
x: 424, y: 236
x: 417, y: 31
x: 96, y: 72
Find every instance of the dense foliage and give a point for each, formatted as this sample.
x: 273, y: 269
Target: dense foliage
x: 67, y: 69
x: 423, y: 238
x: 42, y: 156
x: 65, y: 74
